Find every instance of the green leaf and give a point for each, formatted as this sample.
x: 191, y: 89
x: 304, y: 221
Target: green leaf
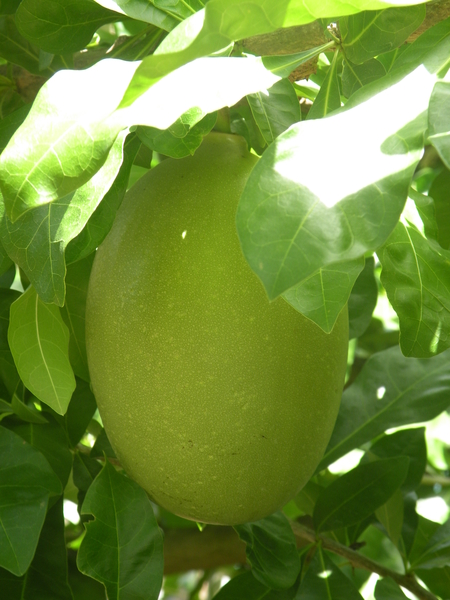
x: 39, y: 341
x: 246, y: 587
x: 439, y: 194
x: 16, y: 49
x: 46, y: 230
x: 50, y: 439
x: 437, y: 551
x: 26, y: 483
x: 73, y: 313
x: 390, y: 391
x: 47, y: 576
x: 275, y: 110
x: 58, y: 159
x: 390, y: 515
x: 356, y: 76
x: 271, y: 550
x: 321, y: 296
x: 283, y: 65
x: 101, y: 220
x: 416, y: 277
x: 410, y: 524
x: 437, y: 580
x: 329, y: 97
x: 122, y: 547
x: 102, y: 446
x: 407, y: 442
x: 8, y: 371
x: 292, y: 222
x: 61, y: 26
x: 141, y: 10
x: 367, y: 34
x: 438, y: 117
x: 67, y: 154
x: 80, y: 412
x: 10, y: 124
x: 180, y: 9
x: 387, y: 589
x: 357, y: 494
x: 178, y: 144
x: 325, y: 581
x: 26, y: 412
x: 362, y: 300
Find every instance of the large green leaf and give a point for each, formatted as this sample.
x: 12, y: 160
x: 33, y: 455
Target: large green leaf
x: 39, y: 342
x: 46, y: 230
x: 80, y: 412
x: 16, y: 49
x: 61, y: 26
x: 46, y: 577
x: 26, y: 483
x: 292, y: 222
x: 416, y: 277
x: 439, y: 194
x: 84, y: 123
x: 367, y: 34
x: 123, y: 546
x: 390, y: 515
x: 271, y: 550
x: 357, y: 494
x: 390, y: 391
x: 325, y: 581
x: 356, y: 76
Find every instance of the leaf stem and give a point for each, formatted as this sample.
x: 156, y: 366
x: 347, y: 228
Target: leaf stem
x: 408, y: 581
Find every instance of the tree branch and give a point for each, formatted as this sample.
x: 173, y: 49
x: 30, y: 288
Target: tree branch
x: 407, y: 581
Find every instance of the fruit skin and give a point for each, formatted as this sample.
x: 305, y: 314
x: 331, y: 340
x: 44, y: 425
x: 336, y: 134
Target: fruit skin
x: 217, y: 402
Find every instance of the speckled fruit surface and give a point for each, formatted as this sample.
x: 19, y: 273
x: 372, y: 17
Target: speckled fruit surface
x: 217, y: 402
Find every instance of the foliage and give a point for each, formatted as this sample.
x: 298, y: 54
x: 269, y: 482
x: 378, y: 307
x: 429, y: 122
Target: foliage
x: 348, y: 204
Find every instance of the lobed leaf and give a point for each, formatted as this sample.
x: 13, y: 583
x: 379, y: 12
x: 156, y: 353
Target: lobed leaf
x: 39, y: 341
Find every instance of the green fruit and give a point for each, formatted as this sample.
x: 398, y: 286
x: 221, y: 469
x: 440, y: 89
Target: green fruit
x: 217, y: 402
